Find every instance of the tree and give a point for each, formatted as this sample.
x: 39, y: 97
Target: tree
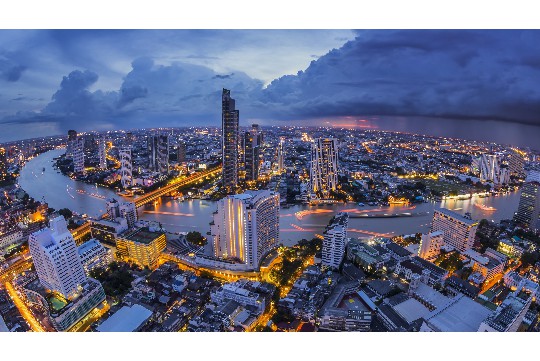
x: 530, y: 258
x: 66, y: 213
x: 196, y: 238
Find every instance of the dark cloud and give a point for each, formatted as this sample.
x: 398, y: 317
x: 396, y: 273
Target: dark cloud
x: 10, y: 69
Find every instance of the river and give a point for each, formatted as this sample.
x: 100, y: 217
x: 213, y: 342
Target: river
x: 296, y: 222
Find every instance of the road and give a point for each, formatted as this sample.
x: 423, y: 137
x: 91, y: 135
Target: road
x: 25, y: 312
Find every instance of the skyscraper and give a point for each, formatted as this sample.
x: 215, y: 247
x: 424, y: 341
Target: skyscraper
x: 334, y: 241
x: 56, y: 259
x: 72, y: 135
x: 280, y: 156
x: 492, y: 169
x: 458, y: 231
x: 251, y: 155
x: 181, y: 152
x: 102, y: 152
x: 431, y: 245
x: 126, y: 167
x: 78, y: 155
x: 528, y: 213
x: 324, y: 167
x: 3, y: 165
x: 113, y: 209
x: 158, y: 149
x: 246, y: 226
x: 516, y: 163
x: 229, y: 141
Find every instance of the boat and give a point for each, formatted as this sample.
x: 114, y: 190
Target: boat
x: 485, y: 208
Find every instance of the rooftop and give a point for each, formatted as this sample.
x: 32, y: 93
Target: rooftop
x: 143, y: 235
x: 126, y: 319
x: 457, y: 216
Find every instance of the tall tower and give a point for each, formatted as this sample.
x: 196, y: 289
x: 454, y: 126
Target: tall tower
x: 229, y: 141
x: 528, y: 213
x: 78, y: 155
x: 3, y: 164
x: 102, y: 152
x: 324, y: 167
x: 280, y: 156
x: 492, y: 171
x: 158, y: 148
x: 334, y: 241
x: 72, y: 135
x: 126, y: 167
x: 246, y: 226
x: 56, y: 259
x: 181, y: 152
x: 251, y: 155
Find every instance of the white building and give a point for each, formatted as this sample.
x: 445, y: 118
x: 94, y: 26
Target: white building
x: 324, y: 167
x: 126, y: 167
x: 459, y: 232
x: 94, y: 255
x: 334, y: 241
x: 246, y: 226
x: 510, y: 313
x: 77, y: 147
x: 491, y: 169
x: 56, y: 259
x: 430, y: 245
x: 102, y: 153
x: 128, y: 211
x: 239, y: 292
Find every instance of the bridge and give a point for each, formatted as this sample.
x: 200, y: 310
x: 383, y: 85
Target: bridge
x: 175, y: 184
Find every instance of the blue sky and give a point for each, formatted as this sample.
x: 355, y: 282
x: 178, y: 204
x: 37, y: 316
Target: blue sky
x: 476, y: 84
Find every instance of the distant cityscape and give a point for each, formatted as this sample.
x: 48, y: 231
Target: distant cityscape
x: 260, y: 228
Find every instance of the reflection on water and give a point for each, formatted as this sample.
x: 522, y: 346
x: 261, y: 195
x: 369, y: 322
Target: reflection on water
x: 296, y: 222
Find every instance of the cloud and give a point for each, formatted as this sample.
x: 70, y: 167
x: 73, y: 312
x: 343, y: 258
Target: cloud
x: 10, y: 70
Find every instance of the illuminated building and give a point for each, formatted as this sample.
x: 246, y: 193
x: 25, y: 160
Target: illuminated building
x: 491, y: 169
x: 516, y: 163
x: 3, y: 165
x: 126, y: 167
x: 334, y: 243
x: 324, y: 167
x: 280, y: 156
x: 77, y: 147
x: 142, y: 246
x: 229, y: 141
x: 158, y: 149
x: 72, y: 135
x: 113, y: 209
x: 528, y: 213
x: 246, y: 226
x: 107, y: 231
x: 181, y: 152
x: 458, y: 231
x: 510, y: 313
x: 128, y: 211
x: 102, y: 153
x: 251, y: 155
x: 94, y: 255
x: 56, y: 260
x: 430, y: 245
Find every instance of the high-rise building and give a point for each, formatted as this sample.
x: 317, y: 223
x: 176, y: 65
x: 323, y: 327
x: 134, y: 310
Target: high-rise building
x: 126, y: 167
x: 251, y: 155
x: 72, y: 135
x: 324, y: 167
x: 229, y: 141
x: 430, y: 245
x: 102, y: 152
x: 142, y: 246
x: 56, y: 259
x: 181, y: 152
x: 516, y: 163
x: 3, y: 165
x: 94, y: 255
x: 458, y: 231
x: 158, y: 149
x: 130, y: 139
x: 78, y: 155
x: 492, y: 170
x: 280, y: 156
x: 113, y: 209
x: 246, y: 226
x: 528, y: 213
x: 334, y: 241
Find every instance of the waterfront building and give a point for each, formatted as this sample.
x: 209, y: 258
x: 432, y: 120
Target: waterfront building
x: 246, y: 226
x: 324, y: 167
x: 78, y: 155
x: 126, y: 167
x: 158, y: 149
x: 113, y: 209
x: 430, y: 245
x: 334, y: 241
x: 128, y: 211
x: 516, y: 163
x: 492, y: 169
x: 229, y: 141
x: 458, y: 231
x: 72, y: 135
x: 142, y: 246
x: 107, y: 231
x: 94, y: 255
x: 55, y: 256
x: 528, y: 212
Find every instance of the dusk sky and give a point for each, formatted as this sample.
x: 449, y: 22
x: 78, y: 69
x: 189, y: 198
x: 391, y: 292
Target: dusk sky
x: 473, y: 84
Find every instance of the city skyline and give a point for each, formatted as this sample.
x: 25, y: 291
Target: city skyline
x: 464, y: 84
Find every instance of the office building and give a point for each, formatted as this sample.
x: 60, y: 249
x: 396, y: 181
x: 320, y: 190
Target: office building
x: 430, y: 245
x: 126, y: 167
x: 280, y: 156
x: 229, y: 141
x: 251, y: 156
x: 246, y: 226
x: 142, y: 246
x: 324, y: 167
x: 72, y: 135
x: 516, y: 163
x: 108, y: 231
x: 458, y: 231
x: 55, y: 256
x: 128, y: 211
x: 102, y: 152
x: 94, y: 255
x: 158, y: 150
x: 334, y: 241
x: 528, y: 213
x: 181, y: 152
x: 113, y: 209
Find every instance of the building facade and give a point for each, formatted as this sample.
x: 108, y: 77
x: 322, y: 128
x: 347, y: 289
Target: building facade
x: 94, y: 255
x: 528, y: 212
x: 158, y: 150
x: 430, y: 245
x: 324, y: 167
x: 458, y: 231
x: 229, y: 141
x: 334, y: 243
x: 142, y: 246
x: 126, y: 167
